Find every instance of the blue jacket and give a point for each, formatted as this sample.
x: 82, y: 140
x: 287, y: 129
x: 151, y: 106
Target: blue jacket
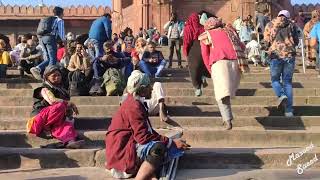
x: 101, y: 29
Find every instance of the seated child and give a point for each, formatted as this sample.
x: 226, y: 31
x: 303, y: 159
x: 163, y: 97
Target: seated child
x: 253, y: 48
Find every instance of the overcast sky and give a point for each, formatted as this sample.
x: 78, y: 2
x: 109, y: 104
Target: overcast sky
x: 97, y: 2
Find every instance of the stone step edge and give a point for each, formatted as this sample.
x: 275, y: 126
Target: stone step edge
x: 35, y: 157
x: 183, y: 117
x: 164, y: 131
x: 201, y: 97
x: 182, y: 105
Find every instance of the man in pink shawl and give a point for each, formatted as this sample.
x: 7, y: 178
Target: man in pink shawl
x: 220, y: 46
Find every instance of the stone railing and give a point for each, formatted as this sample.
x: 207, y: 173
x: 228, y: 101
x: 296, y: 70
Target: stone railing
x: 29, y: 12
x: 305, y: 8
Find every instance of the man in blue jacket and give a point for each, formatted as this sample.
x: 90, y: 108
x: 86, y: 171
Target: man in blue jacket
x: 100, y: 32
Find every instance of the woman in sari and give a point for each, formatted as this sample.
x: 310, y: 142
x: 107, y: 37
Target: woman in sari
x: 192, y: 49
x: 52, y: 111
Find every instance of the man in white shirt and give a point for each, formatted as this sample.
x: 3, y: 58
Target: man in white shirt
x: 175, y: 33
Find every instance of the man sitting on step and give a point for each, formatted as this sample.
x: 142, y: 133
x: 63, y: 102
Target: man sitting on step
x: 156, y: 103
x: 133, y: 147
x: 30, y: 57
x: 110, y: 59
x: 152, y: 62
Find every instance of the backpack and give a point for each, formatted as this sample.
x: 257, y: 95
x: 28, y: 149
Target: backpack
x: 114, y: 82
x: 45, y: 26
x: 77, y: 84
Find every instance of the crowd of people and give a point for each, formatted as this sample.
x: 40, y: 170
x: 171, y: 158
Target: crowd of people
x: 102, y: 63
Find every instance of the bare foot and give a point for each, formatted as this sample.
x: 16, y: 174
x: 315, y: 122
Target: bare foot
x: 163, y: 114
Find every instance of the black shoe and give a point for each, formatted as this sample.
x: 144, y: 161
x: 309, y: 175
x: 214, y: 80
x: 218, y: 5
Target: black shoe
x: 58, y: 145
x: 227, y: 125
x: 75, y: 144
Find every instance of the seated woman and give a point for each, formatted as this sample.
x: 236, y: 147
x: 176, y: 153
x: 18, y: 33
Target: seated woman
x: 52, y: 111
x: 128, y: 43
x: 30, y: 57
x: 79, y: 75
x: 80, y: 61
x: 4, y: 59
x: 137, y: 53
x: 132, y: 146
x: 152, y: 62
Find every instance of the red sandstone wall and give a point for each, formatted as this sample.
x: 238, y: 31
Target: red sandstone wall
x: 18, y: 20
x: 226, y: 9
x: 155, y: 13
x: 24, y: 12
x: 305, y: 8
x: 140, y: 13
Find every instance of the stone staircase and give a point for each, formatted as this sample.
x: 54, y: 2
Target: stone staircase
x: 260, y: 142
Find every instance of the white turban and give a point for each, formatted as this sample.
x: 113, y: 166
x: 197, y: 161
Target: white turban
x: 136, y: 80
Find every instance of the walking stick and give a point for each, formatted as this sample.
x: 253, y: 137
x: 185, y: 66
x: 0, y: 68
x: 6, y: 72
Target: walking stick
x: 303, y: 56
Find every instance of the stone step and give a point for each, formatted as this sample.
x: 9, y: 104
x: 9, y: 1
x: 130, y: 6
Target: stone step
x: 76, y: 173
x: 93, y: 173
x: 13, y: 158
x: 194, y: 110
x: 14, y: 72
x: 197, y: 137
x: 190, y: 92
x: 247, y: 174
x: 253, y: 77
x: 245, y: 158
x: 258, y: 70
x: 196, y: 158
x: 268, y: 123
x: 243, y: 85
x: 186, y: 78
x: 94, y: 139
x: 247, y: 78
x: 170, y: 100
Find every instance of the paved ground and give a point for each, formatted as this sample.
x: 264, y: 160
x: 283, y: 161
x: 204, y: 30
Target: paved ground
x: 238, y: 174
x: 55, y: 174
x: 203, y: 174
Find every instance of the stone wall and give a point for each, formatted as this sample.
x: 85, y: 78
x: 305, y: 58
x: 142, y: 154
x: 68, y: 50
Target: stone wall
x: 19, y: 20
x: 305, y: 8
x: 29, y: 12
x: 228, y: 10
x: 155, y: 13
